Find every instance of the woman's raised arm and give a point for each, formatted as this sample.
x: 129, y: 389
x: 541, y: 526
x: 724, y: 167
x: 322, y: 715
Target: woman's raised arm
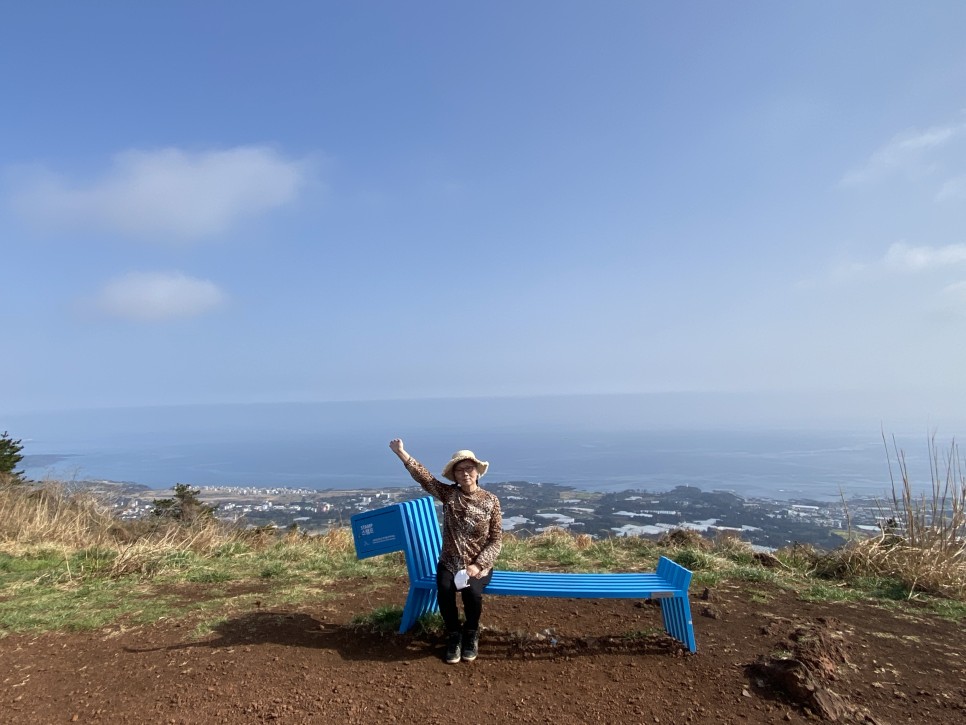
x: 396, y: 445
x: 417, y: 470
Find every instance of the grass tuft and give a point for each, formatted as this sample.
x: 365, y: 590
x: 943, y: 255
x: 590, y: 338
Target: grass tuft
x: 922, y: 545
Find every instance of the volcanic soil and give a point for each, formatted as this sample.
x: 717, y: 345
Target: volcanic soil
x: 763, y: 657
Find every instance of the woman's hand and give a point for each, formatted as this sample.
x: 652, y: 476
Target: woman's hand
x: 473, y: 570
x: 396, y: 446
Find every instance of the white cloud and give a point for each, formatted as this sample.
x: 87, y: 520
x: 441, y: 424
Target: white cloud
x: 905, y: 154
x: 158, y: 296
x: 899, y: 258
x: 166, y: 193
x: 904, y: 258
x: 953, y: 189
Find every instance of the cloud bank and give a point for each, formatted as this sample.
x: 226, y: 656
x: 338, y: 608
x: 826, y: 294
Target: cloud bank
x: 158, y: 296
x: 166, y: 193
x: 904, y: 258
x: 906, y: 154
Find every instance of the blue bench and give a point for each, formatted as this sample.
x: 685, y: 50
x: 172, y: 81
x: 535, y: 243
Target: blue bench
x: 412, y: 527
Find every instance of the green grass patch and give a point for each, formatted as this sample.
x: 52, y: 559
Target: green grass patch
x: 638, y: 635
x: 694, y: 559
x: 819, y: 591
x: 753, y: 573
x: 706, y: 579
x: 232, y: 548
x: 948, y: 609
x: 430, y: 623
x: 209, y: 576
x: 387, y: 619
x: 206, y: 627
x: 382, y: 620
x: 71, y: 607
x: 273, y: 570
x: 882, y: 588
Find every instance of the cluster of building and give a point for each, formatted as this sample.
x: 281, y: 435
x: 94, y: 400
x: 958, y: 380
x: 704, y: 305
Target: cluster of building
x: 531, y: 508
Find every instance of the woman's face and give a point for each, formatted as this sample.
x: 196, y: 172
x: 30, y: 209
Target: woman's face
x: 466, y: 474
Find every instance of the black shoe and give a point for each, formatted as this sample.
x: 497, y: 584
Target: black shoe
x: 471, y: 638
x: 453, y: 648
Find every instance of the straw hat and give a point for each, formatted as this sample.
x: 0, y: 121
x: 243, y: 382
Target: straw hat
x: 481, y: 466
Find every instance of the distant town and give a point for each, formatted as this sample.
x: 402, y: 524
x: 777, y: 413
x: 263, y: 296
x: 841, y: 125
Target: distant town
x: 529, y: 508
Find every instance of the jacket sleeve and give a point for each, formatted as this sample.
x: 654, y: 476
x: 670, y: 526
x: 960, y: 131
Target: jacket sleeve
x: 424, y: 478
x: 487, y: 557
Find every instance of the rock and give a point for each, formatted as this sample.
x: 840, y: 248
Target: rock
x: 710, y: 612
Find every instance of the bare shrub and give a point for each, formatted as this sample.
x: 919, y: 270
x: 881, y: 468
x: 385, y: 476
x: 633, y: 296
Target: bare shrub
x: 684, y: 539
x: 553, y: 536
x: 801, y: 557
x: 730, y: 545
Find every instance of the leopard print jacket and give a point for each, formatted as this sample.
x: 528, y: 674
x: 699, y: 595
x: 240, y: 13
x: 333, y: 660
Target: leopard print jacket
x: 472, y: 523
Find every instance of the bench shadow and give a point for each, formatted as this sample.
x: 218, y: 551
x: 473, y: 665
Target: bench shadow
x: 294, y: 629
x: 353, y: 643
x: 515, y: 645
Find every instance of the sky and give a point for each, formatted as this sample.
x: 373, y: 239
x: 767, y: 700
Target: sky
x: 241, y: 202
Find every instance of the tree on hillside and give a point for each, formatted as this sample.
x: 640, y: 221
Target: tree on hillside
x: 10, y: 456
x: 183, y: 506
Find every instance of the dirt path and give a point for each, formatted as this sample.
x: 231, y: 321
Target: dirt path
x: 542, y: 661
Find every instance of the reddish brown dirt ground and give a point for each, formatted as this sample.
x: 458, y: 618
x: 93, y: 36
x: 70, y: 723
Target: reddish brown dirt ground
x: 603, y: 661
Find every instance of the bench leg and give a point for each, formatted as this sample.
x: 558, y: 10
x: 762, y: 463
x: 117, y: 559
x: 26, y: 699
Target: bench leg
x: 419, y: 602
x: 676, y: 612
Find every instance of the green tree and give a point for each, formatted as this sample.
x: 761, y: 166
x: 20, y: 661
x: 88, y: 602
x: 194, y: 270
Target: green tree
x: 183, y: 506
x: 10, y: 456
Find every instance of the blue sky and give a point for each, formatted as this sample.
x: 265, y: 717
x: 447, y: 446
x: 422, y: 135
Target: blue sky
x: 236, y: 202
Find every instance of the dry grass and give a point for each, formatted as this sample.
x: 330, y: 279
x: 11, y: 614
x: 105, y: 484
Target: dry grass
x: 923, y: 538
x: 38, y: 521
x: 684, y: 539
x: 50, y: 516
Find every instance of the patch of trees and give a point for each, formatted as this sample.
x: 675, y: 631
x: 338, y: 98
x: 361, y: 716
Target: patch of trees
x: 184, y: 506
x: 10, y: 457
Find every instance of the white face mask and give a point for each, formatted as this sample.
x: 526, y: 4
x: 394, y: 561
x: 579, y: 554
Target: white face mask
x: 461, y: 579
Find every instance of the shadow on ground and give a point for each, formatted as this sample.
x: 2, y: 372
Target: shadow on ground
x: 353, y: 643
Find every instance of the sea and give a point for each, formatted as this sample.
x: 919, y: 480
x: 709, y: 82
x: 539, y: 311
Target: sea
x: 345, y: 446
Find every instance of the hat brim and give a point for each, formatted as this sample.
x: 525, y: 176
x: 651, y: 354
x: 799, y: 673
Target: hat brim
x: 481, y: 466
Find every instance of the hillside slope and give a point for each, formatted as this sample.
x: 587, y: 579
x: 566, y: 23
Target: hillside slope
x: 561, y: 661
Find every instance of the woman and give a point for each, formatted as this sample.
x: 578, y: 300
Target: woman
x: 472, y: 537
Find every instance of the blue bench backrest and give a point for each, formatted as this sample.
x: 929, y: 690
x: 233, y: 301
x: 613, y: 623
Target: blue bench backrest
x: 410, y: 527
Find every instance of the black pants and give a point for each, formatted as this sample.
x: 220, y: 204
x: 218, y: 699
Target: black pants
x: 472, y: 599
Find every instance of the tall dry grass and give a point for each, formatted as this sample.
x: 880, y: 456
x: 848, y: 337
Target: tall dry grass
x: 51, y: 516
x: 923, y: 538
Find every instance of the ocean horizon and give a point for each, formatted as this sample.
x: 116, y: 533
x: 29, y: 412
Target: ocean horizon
x: 346, y: 447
